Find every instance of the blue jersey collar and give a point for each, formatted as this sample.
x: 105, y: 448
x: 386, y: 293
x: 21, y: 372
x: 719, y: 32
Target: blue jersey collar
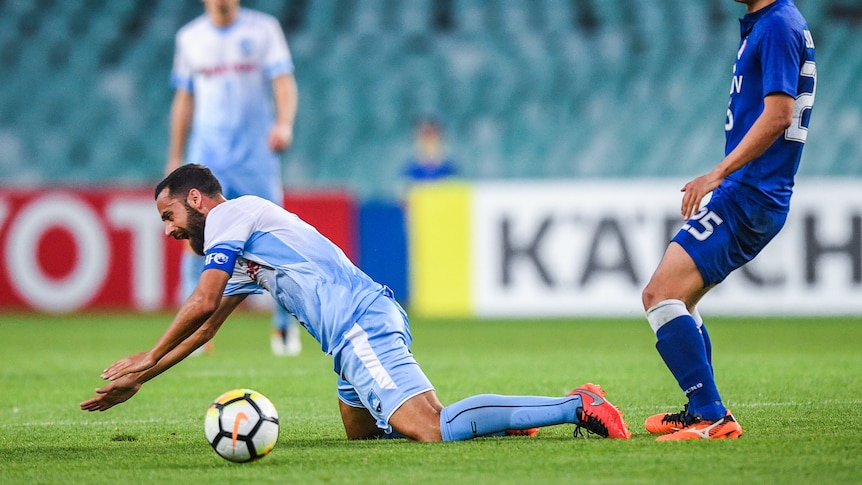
x: 747, y: 23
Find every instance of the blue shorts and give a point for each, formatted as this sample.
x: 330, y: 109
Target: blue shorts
x: 377, y: 368
x: 728, y: 232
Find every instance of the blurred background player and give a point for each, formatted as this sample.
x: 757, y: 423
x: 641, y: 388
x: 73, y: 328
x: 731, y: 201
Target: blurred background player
x: 231, y: 66
x: 771, y: 97
x: 430, y: 162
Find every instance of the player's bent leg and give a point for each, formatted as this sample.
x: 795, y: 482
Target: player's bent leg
x: 418, y: 418
x: 676, y: 277
x: 669, y: 298
x: 681, y: 346
x: 359, y: 424
x: 377, y: 370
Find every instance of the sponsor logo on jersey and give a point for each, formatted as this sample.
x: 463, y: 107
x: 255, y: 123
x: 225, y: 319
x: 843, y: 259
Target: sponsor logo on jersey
x: 228, y: 68
x: 252, y: 270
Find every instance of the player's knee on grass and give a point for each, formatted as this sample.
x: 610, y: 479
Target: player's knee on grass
x: 418, y: 418
x: 359, y: 424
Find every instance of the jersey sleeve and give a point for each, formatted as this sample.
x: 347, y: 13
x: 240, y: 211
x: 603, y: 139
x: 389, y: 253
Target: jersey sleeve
x: 220, y: 258
x: 229, y: 228
x: 224, y: 259
x: 278, y: 60
x: 240, y: 283
x: 780, y: 57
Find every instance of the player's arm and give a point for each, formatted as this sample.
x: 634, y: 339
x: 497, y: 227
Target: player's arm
x: 777, y: 116
x: 199, y: 337
x: 203, y: 303
x: 286, y: 97
x: 182, y: 109
x: 122, y: 389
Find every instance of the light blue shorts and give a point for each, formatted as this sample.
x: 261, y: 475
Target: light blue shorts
x: 378, y: 371
x: 251, y: 171
x: 236, y: 182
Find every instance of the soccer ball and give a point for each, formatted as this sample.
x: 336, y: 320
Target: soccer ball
x: 241, y: 425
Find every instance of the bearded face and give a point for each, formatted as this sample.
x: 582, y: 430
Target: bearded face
x: 194, y: 230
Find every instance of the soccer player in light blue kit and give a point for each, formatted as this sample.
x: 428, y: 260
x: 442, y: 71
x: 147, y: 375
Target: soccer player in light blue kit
x: 252, y: 244
x: 231, y: 67
x: 771, y: 97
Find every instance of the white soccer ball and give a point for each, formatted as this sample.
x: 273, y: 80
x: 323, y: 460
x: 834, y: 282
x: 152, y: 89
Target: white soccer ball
x: 241, y: 425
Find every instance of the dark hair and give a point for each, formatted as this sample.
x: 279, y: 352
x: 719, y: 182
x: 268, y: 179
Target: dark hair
x: 187, y: 177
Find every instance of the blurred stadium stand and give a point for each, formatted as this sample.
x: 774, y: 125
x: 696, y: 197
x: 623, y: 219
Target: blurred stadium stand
x: 526, y: 88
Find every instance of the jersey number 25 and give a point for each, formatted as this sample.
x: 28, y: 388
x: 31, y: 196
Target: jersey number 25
x: 798, y: 130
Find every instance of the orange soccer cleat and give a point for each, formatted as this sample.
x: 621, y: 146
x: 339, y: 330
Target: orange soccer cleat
x: 726, y: 427
x: 597, y: 415
x: 531, y: 432
x: 667, y: 423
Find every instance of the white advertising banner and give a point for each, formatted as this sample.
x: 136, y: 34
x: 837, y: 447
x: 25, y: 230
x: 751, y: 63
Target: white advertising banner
x: 588, y: 248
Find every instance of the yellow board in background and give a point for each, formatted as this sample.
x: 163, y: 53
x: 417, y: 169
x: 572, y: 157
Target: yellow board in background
x: 438, y: 221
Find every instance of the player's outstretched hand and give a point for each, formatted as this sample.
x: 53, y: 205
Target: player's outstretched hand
x: 116, y: 392
x: 133, y: 363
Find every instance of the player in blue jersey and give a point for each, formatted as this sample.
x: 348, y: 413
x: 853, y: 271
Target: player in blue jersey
x: 430, y: 163
x: 771, y: 96
x: 251, y: 245
x: 231, y: 67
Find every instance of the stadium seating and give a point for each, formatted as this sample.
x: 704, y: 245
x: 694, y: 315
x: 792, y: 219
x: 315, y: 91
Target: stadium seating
x: 526, y: 88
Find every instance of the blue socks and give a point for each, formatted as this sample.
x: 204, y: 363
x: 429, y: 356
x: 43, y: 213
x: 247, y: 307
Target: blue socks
x: 707, y: 343
x: 489, y: 414
x: 687, y: 352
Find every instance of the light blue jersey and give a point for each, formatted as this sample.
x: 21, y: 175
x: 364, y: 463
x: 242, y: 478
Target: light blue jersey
x: 267, y: 247
x: 355, y: 319
x: 358, y: 322
x: 229, y: 70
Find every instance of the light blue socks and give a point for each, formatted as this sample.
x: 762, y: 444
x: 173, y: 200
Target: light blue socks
x: 489, y: 414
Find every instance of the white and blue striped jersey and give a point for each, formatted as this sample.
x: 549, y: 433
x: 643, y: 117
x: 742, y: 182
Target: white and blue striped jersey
x: 266, y: 247
x: 229, y: 71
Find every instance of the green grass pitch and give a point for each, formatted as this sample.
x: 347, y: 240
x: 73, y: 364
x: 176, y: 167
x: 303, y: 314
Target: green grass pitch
x: 795, y: 384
